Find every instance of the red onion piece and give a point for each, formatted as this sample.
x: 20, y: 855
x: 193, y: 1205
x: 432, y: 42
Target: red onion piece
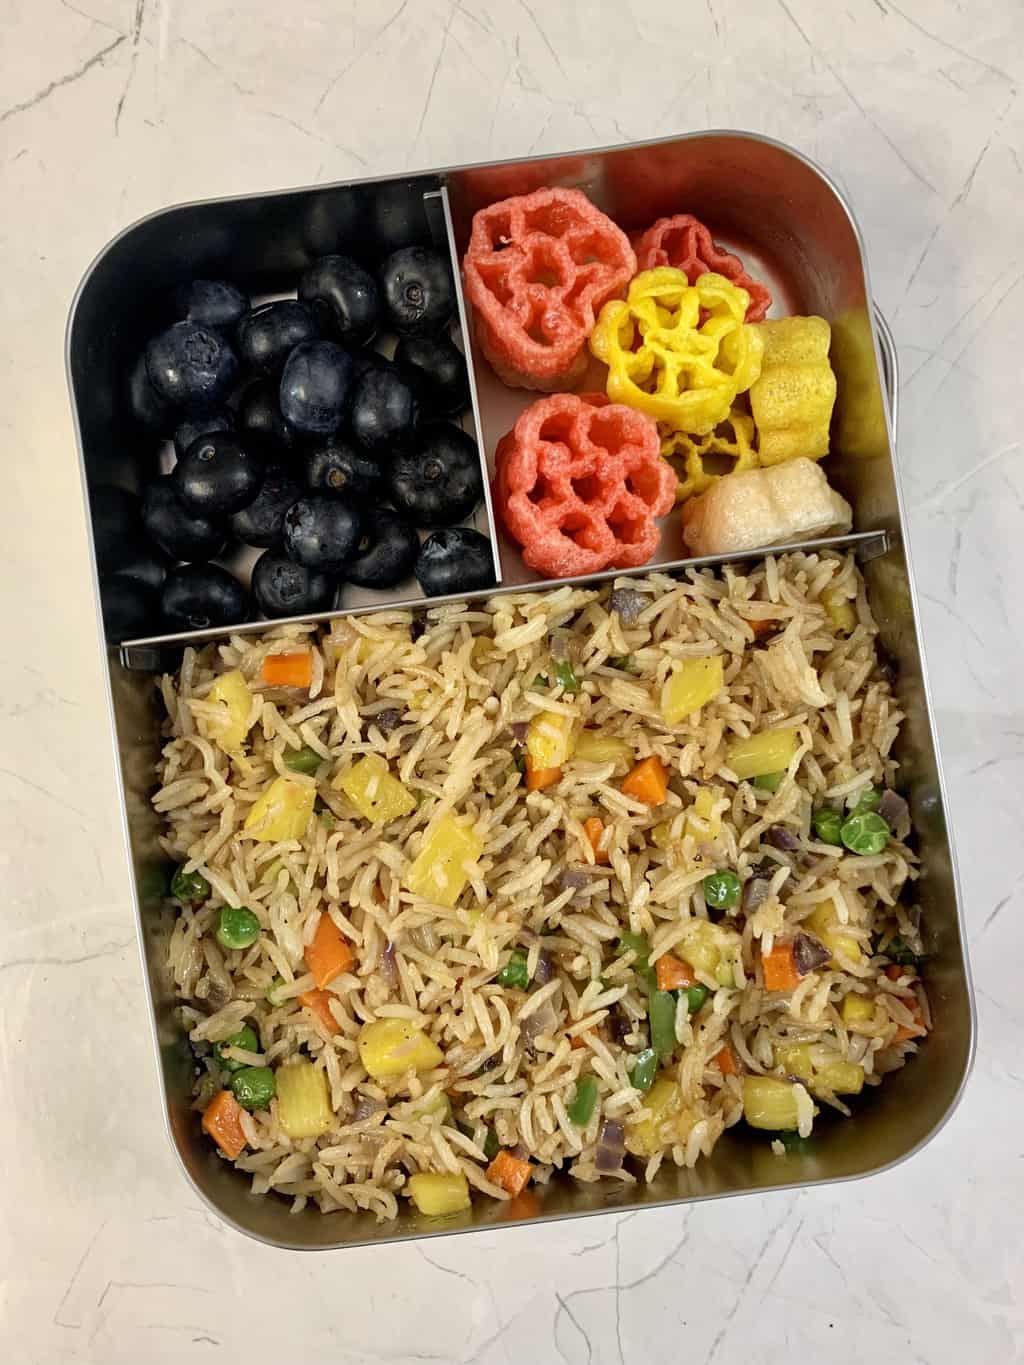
x: 781, y: 838
x: 365, y: 1108
x: 809, y: 953
x: 520, y: 729
x: 545, y: 969
x: 755, y: 893
x: 628, y: 603
x: 611, y: 1146
x: 387, y: 966
x: 893, y: 809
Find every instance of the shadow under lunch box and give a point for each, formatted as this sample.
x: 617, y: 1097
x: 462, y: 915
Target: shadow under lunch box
x: 797, y: 233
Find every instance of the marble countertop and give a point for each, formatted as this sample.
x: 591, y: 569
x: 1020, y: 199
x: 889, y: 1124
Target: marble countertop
x: 112, y: 108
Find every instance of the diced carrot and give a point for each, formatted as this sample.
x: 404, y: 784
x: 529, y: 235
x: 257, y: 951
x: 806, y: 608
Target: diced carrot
x: 525, y: 1205
x: 905, y: 1031
x: 539, y: 778
x: 780, y: 973
x: 895, y: 973
x: 320, y: 1003
x: 647, y: 782
x: 762, y: 628
x: 672, y: 974
x: 510, y: 1172
x: 594, y: 830
x: 329, y: 954
x: 223, y: 1121
x: 288, y: 670
x: 725, y: 1060
x: 577, y: 1041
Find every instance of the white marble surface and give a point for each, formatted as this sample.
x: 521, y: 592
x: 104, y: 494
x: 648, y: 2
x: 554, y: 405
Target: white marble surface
x: 112, y: 108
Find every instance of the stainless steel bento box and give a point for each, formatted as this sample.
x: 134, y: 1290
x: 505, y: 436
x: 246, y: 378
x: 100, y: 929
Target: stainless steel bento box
x: 791, y: 223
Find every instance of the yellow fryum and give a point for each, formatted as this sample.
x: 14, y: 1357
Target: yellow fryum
x: 700, y: 461
x: 678, y: 352
x: 860, y: 409
x: 376, y: 795
x: 792, y: 400
x: 441, y: 868
x: 281, y: 813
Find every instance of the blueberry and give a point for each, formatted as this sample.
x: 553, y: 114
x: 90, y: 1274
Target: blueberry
x: 217, y: 475
x: 141, y: 564
x: 440, y: 481
x: 335, y: 220
x: 269, y: 334
x: 384, y: 414
x: 212, y: 303
x: 418, y: 290
x: 368, y: 359
x: 385, y: 552
x: 398, y: 216
x: 454, y: 561
x: 147, y: 407
x: 129, y: 608
x: 315, y: 387
x: 320, y: 533
x: 343, y: 297
x: 337, y: 466
x: 197, y: 596
x: 179, y: 533
x: 116, y: 522
x: 283, y: 588
x: 262, y: 522
x: 191, y: 367
x: 222, y: 419
x: 259, y: 418
x: 439, y: 369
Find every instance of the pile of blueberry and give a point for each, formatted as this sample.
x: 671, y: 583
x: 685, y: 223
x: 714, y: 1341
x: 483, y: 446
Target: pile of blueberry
x: 293, y: 435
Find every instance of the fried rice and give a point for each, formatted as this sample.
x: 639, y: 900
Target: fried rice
x: 446, y: 697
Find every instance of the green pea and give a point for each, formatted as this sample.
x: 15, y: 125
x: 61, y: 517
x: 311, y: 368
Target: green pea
x: 637, y: 943
x: 514, y: 972
x: 828, y: 825
x: 865, y: 833
x: 644, y: 1069
x: 768, y: 782
x: 721, y: 890
x: 869, y: 800
x: 661, y: 1019
x: 695, y: 997
x: 565, y: 676
x: 899, y: 952
x: 189, y: 887
x: 237, y: 928
x: 491, y: 1145
x: 304, y: 760
x: 540, y: 681
x: 253, y: 1086
x: 581, y: 1107
x: 246, y: 1039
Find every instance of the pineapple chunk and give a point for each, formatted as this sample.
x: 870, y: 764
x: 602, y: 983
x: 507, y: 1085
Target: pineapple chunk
x: 823, y: 924
x: 391, y: 1047
x: 689, y: 686
x: 663, y: 1100
x: 232, y: 693
x: 795, y: 1060
x: 857, y: 1009
x: 769, y: 1103
x: 438, y: 1195
x: 441, y: 870
x: 376, y: 795
x: 772, y: 751
x: 839, y: 610
x: 549, y: 740
x: 303, y: 1103
x: 700, y: 950
x: 282, y: 812
x: 839, y: 1078
x: 701, y: 819
x: 593, y: 747
x: 661, y: 835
